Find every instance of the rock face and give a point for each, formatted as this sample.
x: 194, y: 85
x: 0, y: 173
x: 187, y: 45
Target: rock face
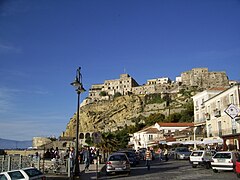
x: 111, y: 115
x: 107, y: 115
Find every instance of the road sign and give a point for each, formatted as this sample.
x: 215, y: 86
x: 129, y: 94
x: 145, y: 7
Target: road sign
x: 232, y: 111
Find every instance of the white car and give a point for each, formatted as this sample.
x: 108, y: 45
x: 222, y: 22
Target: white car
x: 201, y: 158
x: 224, y: 160
x: 23, y: 174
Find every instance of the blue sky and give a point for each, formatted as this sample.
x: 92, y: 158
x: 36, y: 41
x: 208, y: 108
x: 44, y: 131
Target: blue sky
x: 42, y: 43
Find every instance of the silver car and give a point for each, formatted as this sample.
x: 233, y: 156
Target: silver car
x: 118, y: 162
x: 182, y: 153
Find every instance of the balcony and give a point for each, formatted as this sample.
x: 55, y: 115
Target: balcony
x: 223, y: 132
x: 202, y: 105
x: 217, y: 113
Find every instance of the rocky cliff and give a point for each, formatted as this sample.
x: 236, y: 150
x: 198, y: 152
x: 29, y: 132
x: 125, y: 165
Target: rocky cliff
x: 114, y: 114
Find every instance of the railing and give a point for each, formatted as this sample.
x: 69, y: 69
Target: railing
x: 223, y: 132
x: 11, y: 162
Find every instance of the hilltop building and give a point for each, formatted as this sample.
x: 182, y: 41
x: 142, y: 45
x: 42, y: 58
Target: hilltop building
x: 201, y: 77
x: 109, y: 88
x: 125, y: 85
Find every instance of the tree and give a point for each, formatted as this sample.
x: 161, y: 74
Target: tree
x: 107, y: 144
x: 103, y: 93
x: 175, y: 117
x: 117, y: 94
x: 89, y: 141
x: 153, y: 118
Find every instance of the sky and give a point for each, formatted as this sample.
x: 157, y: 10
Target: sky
x: 43, y: 42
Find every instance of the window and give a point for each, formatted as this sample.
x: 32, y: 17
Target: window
x: 16, y: 175
x: 218, y: 105
x: 231, y: 99
x: 3, y: 177
x: 210, y: 130
x: 219, y: 128
x: 32, y: 172
x: 150, y: 137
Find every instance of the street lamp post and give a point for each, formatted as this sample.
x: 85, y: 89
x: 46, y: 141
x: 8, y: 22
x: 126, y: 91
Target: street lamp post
x: 79, y: 89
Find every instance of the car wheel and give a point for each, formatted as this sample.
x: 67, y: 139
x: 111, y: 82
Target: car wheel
x: 215, y: 170
x: 194, y: 166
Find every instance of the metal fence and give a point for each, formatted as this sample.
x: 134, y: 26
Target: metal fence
x: 11, y: 162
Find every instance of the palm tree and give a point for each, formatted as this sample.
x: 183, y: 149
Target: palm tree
x: 108, y: 144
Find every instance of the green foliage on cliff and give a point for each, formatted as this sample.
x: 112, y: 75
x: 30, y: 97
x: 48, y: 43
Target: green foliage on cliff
x: 153, y: 98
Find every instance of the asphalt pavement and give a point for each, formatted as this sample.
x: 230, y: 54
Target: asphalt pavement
x: 93, y: 173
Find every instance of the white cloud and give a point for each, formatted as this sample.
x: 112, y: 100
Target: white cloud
x: 9, y: 49
x: 5, y: 101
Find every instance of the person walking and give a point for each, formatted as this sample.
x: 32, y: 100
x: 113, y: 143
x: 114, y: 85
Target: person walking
x: 166, y: 154
x: 86, y: 157
x: 72, y: 159
x: 159, y: 154
x: 148, y: 157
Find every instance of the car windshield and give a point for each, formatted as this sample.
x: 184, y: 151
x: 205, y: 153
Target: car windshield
x: 182, y: 150
x: 223, y: 155
x: 117, y: 158
x: 198, y: 153
x: 16, y: 175
x: 32, y: 172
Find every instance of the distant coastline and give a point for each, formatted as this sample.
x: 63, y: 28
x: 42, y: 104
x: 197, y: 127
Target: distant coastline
x: 13, y: 144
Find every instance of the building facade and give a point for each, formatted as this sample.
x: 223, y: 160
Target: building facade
x: 160, y: 132
x: 218, y: 125
x: 201, y: 77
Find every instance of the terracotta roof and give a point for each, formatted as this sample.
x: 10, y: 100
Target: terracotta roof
x: 152, y: 130
x: 175, y: 124
x: 170, y: 139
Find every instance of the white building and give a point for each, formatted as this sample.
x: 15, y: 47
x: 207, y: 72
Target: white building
x: 218, y: 125
x: 154, y: 134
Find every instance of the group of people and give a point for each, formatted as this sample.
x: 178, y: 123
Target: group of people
x: 86, y: 156
x: 149, y: 155
x: 52, y: 153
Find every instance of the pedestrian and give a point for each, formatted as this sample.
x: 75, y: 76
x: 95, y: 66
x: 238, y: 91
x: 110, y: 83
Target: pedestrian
x: 148, y: 157
x: 72, y: 159
x: 160, y: 154
x: 166, y: 154
x: 86, y: 157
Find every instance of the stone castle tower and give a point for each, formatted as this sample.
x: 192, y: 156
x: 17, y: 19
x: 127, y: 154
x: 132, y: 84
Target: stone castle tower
x: 201, y: 77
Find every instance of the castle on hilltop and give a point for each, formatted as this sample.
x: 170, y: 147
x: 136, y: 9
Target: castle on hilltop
x: 197, y: 77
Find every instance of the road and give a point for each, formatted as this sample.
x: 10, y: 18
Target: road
x: 171, y: 170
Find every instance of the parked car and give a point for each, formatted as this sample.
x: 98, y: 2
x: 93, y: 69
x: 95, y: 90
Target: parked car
x: 118, y: 162
x: 23, y: 174
x: 131, y: 156
x: 201, y: 158
x: 224, y: 160
x: 238, y: 167
x: 182, y: 153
